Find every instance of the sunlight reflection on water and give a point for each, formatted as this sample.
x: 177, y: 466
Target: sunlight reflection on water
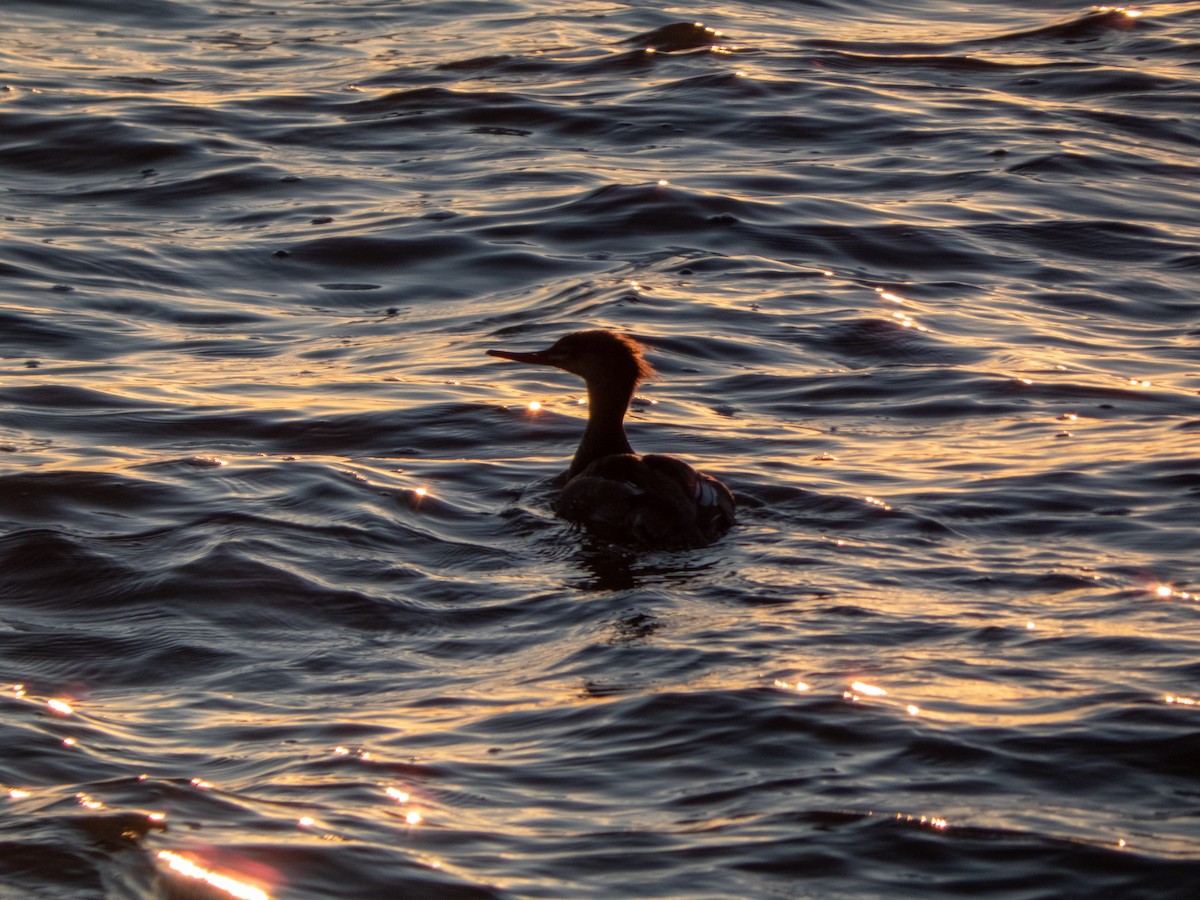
x: 267, y: 523
x: 231, y: 885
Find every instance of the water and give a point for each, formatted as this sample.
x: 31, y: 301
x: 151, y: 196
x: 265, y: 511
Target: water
x: 282, y: 602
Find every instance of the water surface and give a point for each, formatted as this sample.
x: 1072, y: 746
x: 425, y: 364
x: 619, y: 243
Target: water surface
x: 283, y: 604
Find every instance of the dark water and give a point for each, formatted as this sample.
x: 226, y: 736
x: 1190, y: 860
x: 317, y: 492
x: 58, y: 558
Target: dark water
x: 282, y: 602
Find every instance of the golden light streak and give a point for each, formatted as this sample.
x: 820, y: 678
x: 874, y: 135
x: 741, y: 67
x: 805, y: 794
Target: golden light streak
x: 88, y: 802
x: 227, y: 883
x: 1166, y: 592
x: 346, y: 751
x: 1181, y: 701
x: 861, y: 687
x: 412, y: 817
x: 798, y: 686
x: 18, y: 794
x: 907, y: 321
x: 931, y: 821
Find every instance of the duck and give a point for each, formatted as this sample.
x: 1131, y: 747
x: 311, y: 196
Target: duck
x: 650, y: 500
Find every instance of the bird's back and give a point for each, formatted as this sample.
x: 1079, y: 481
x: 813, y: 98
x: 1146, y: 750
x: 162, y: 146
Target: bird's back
x: 655, y: 501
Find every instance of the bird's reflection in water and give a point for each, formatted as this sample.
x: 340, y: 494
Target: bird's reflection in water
x: 606, y: 567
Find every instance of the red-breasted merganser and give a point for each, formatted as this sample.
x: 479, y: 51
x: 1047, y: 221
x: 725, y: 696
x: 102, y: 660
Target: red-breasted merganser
x: 655, y: 501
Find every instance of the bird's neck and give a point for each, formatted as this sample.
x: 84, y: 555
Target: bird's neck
x: 605, y: 432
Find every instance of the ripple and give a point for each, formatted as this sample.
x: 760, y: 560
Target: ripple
x: 278, y: 551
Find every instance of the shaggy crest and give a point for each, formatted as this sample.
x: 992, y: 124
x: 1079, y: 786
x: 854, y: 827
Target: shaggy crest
x: 618, y: 347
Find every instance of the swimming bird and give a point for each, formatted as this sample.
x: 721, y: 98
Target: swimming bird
x: 612, y: 492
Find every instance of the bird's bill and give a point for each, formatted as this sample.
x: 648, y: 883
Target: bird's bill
x: 535, y: 357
